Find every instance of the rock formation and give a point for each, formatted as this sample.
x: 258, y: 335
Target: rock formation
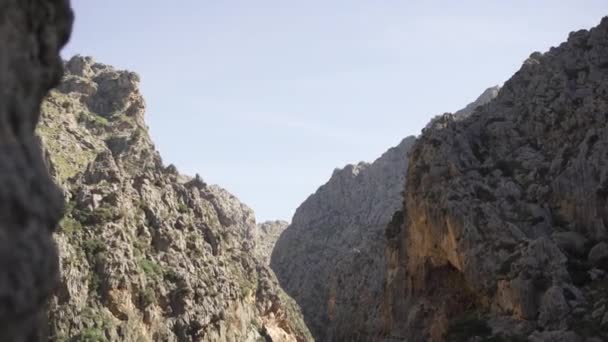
x: 266, y: 237
x: 331, y: 258
x: 31, y: 35
x: 147, y: 254
x: 503, y: 232
x: 485, y: 97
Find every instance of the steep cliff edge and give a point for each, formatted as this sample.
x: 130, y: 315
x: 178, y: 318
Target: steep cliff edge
x: 147, y: 254
x: 503, y: 233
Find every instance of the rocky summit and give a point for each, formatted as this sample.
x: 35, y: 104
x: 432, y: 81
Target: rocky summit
x: 147, y: 254
x: 331, y: 258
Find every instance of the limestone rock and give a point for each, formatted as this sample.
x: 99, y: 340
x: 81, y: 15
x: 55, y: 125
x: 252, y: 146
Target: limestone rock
x: 147, y: 254
x: 485, y: 97
x: 486, y: 193
x: 331, y: 258
x: 266, y: 237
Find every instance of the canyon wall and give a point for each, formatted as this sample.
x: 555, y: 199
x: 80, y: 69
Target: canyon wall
x: 147, y: 254
x: 503, y: 232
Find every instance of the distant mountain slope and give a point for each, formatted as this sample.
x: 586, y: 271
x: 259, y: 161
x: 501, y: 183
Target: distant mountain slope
x: 267, y: 235
x: 146, y: 253
x: 331, y: 257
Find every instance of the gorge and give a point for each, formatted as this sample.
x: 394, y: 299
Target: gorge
x: 491, y: 225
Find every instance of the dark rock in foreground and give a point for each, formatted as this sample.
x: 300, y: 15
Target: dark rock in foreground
x: 31, y: 34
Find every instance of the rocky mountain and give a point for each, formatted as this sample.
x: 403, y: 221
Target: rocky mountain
x: 503, y: 232
x: 147, y: 254
x: 485, y: 97
x: 331, y: 258
x: 267, y: 235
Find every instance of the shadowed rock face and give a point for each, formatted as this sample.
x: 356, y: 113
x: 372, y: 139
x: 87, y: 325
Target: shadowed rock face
x: 331, y: 257
x: 31, y: 35
x: 506, y: 211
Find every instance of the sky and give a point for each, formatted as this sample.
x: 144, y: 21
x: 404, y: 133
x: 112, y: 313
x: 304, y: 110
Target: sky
x: 266, y: 98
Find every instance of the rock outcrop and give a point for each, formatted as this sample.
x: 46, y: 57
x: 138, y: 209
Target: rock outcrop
x: 331, y: 258
x: 147, y: 254
x: 266, y: 237
x: 31, y: 35
x: 504, y: 228
x: 485, y: 97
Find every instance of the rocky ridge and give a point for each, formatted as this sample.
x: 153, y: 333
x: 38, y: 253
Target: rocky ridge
x: 331, y: 258
x: 503, y: 232
x: 147, y: 254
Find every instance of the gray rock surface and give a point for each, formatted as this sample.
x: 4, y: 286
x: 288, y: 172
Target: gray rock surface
x: 485, y: 97
x: 31, y: 35
x: 331, y: 258
x: 266, y: 237
x: 485, y: 198
x: 147, y: 254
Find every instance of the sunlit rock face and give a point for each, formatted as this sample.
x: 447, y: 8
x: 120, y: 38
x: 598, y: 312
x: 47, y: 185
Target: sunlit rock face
x: 504, y: 225
x: 147, y: 254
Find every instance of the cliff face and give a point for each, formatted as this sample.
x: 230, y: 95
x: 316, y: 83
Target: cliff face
x: 503, y: 232
x: 330, y: 259
x: 147, y: 254
x: 266, y: 237
x: 31, y: 34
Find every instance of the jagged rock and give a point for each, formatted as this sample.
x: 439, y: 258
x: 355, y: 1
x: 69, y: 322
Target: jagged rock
x: 266, y: 237
x: 485, y: 193
x: 331, y: 258
x: 147, y: 254
x: 485, y: 97
x: 31, y: 36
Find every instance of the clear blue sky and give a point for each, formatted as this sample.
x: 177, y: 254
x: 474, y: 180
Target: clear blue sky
x: 266, y: 98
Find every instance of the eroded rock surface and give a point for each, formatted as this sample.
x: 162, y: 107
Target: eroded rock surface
x: 331, y: 257
x: 505, y: 220
x: 147, y: 254
x: 31, y: 35
x: 266, y: 237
